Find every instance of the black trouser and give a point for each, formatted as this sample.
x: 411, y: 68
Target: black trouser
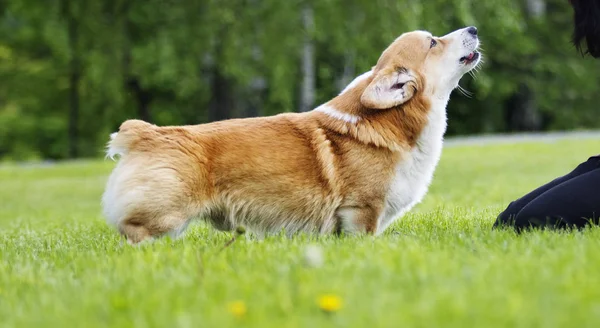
x: 571, y: 201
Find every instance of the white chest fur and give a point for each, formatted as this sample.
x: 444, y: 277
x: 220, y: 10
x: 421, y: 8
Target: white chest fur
x: 415, y: 171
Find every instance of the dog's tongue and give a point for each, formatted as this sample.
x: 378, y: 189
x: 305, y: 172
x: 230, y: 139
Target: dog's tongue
x: 470, y: 56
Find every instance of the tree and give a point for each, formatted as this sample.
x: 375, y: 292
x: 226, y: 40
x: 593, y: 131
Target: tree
x: 70, y: 13
x: 73, y: 71
x: 307, y: 93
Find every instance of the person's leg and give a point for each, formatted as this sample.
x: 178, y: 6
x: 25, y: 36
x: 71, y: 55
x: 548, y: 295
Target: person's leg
x: 572, y: 204
x: 508, y: 216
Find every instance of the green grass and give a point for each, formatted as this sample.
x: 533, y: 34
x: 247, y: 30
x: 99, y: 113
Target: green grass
x: 441, y: 265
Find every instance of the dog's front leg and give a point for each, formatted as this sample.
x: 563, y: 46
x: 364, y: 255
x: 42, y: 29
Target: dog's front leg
x: 358, y: 219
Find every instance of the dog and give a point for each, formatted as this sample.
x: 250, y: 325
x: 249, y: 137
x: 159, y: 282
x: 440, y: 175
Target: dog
x: 350, y: 166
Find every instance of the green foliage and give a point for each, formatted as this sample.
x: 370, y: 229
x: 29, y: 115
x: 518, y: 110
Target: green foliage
x: 441, y: 265
x: 175, y: 56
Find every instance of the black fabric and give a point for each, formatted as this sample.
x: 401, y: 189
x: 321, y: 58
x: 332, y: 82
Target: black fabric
x: 570, y: 201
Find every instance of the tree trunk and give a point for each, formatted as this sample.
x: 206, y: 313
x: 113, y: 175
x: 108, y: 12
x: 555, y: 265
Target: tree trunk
x: 348, y: 74
x: 258, y: 83
x: 255, y: 99
x: 222, y: 93
x: 523, y: 113
x: 536, y: 8
x: 74, y: 110
x: 220, y: 103
x: 143, y: 97
x: 74, y: 78
x: 307, y: 93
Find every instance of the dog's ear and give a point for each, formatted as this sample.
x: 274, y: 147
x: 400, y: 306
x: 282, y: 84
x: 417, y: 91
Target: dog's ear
x: 388, y: 90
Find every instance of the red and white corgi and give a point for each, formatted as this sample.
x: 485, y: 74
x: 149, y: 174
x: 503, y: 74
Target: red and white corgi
x: 353, y: 165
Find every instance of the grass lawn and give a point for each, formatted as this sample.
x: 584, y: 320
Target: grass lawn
x: 440, y: 265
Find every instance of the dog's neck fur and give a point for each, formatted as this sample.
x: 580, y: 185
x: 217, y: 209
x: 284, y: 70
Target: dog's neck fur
x: 397, y: 128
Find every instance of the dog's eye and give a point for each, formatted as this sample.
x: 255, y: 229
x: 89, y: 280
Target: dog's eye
x: 433, y: 43
x: 398, y: 86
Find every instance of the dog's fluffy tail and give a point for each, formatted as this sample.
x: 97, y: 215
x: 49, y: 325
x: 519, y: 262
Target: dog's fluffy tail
x: 121, y: 142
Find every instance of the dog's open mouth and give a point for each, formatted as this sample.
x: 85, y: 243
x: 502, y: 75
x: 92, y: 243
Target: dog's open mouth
x: 470, y: 58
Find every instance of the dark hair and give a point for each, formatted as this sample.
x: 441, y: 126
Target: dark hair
x: 586, y: 34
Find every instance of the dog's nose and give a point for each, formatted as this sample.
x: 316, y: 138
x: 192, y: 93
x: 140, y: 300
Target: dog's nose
x: 472, y: 30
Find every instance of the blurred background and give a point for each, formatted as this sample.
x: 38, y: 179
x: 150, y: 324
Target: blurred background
x: 71, y: 70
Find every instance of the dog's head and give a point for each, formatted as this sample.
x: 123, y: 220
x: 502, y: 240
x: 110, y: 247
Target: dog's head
x: 417, y: 62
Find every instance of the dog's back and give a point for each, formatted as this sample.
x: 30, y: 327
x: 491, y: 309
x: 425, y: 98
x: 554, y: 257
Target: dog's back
x: 259, y: 172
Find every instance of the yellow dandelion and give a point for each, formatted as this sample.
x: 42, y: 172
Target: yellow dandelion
x: 237, y: 308
x: 330, y: 303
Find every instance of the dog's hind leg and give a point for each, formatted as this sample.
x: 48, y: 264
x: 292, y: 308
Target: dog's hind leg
x: 144, y: 226
x: 146, y: 200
